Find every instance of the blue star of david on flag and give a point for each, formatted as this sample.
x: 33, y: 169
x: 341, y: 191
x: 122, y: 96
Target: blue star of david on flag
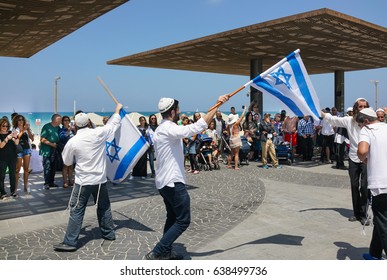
x: 115, y: 149
x: 286, y: 77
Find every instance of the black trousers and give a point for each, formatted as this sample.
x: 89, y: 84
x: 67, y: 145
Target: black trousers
x: 358, y: 176
x: 9, y: 162
x: 340, y: 149
x: 379, y: 235
x: 307, y: 147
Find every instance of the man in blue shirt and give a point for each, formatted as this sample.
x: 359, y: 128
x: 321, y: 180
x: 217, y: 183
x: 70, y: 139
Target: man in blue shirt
x: 306, y: 131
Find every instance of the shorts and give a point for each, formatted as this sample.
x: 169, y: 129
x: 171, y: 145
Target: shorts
x: 26, y: 152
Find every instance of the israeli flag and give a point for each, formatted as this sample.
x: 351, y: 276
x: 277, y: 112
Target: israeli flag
x: 124, y: 149
x: 289, y: 82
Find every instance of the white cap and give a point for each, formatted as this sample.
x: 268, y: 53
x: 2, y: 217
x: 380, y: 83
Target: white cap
x: 368, y: 112
x: 380, y: 110
x: 81, y: 120
x: 349, y: 109
x: 165, y: 104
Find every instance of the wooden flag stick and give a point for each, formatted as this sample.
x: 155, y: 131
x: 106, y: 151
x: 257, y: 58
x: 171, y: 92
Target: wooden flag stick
x: 111, y: 94
x: 229, y: 96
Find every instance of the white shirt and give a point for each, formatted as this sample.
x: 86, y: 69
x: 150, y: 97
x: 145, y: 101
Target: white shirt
x: 375, y: 135
x: 169, y: 150
x: 353, y: 130
x: 88, y: 150
x: 326, y: 128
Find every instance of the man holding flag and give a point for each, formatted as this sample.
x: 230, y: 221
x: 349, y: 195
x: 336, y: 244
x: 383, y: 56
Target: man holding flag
x: 170, y: 178
x: 87, y: 150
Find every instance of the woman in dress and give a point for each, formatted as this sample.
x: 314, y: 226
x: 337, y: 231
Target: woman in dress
x: 8, y: 157
x: 24, y: 150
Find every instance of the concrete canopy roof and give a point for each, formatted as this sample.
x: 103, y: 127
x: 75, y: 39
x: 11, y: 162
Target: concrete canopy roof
x: 328, y: 40
x: 28, y: 26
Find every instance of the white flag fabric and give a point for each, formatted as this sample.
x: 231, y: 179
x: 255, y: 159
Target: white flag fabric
x: 289, y: 82
x: 124, y: 149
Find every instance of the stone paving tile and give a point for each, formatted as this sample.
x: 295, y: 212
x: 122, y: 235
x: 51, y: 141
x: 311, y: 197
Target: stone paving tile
x: 219, y: 200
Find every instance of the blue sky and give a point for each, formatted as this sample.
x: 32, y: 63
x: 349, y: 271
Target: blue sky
x: 27, y: 84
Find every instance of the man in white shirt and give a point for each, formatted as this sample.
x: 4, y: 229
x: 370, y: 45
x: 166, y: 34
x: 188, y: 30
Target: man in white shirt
x: 356, y: 168
x: 87, y: 150
x: 372, y: 150
x: 170, y: 178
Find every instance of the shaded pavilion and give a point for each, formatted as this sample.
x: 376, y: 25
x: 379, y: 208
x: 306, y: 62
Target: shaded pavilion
x: 330, y: 42
x: 28, y: 26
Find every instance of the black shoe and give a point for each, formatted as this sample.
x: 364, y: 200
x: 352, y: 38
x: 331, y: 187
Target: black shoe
x: 151, y: 256
x: 353, y: 219
x: 364, y: 221
x: 54, y: 186
x: 62, y: 247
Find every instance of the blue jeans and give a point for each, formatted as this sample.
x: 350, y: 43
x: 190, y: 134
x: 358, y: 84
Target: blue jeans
x: 178, y: 206
x: 77, y: 212
x: 151, y: 155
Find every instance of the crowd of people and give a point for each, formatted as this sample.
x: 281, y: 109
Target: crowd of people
x: 355, y: 135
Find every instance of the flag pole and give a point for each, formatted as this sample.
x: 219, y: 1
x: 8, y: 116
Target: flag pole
x: 106, y: 88
x: 229, y: 96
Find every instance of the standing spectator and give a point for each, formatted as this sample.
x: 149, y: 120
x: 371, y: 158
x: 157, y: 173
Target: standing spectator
x: 290, y: 131
x: 36, y: 162
x: 254, y: 109
x: 140, y: 169
x: 87, y: 150
x: 372, y: 150
x: 306, y: 131
x: 24, y: 153
x: 170, y: 179
x: 381, y: 115
x: 235, y: 138
x: 341, y: 137
x: 250, y: 129
x: 151, y: 151
x: 49, y: 139
x: 267, y: 134
x: 356, y: 168
x: 8, y: 157
x: 328, y: 132
x: 220, y: 126
x: 66, y: 132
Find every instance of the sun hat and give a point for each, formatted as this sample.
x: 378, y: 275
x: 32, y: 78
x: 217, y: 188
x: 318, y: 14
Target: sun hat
x: 232, y: 119
x: 165, y: 104
x: 81, y: 120
x: 368, y: 112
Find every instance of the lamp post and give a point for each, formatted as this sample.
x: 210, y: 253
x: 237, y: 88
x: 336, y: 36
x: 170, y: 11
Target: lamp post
x: 376, y: 92
x: 56, y: 95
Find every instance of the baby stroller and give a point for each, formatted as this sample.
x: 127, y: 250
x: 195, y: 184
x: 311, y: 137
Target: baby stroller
x: 244, y: 151
x: 206, y: 158
x: 284, y: 152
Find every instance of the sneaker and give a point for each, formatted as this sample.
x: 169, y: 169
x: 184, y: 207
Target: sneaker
x: 3, y: 197
x: 369, y: 257
x: 265, y: 166
x: 130, y: 177
x: 46, y: 187
x: 278, y: 166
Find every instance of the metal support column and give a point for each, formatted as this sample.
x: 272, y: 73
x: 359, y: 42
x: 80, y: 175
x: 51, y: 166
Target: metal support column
x: 256, y: 95
x: 339, y: 91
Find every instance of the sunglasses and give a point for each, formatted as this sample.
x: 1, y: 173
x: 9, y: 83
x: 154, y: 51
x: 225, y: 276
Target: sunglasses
x: 20, y: 119
x: 5, y: 126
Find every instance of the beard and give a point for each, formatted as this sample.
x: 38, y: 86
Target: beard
x: 176, y: 118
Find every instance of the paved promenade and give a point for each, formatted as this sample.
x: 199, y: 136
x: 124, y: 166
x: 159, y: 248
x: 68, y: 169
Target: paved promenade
x: 299, y: 212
